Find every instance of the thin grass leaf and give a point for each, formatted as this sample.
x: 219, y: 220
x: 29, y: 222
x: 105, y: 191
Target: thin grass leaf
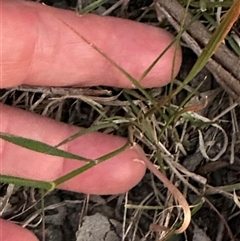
x: 134, y: 109
x: 212, y: 4
x: 92, y: 6
x: 135, y: 82
x: 144, y: 207
x: 86, y: 131
x: 145, y: 73
x: 39, y: 146
x: 49, y: 186
x: 227, y: 188
x: 203, y: 5
x: 89, y: 165
x: 18, y: 181
x: 197, y: 207
x: 234, y: 45
x: 210, y: 20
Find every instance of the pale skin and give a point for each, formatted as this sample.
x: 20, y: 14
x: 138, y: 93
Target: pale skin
x: 38, y: 49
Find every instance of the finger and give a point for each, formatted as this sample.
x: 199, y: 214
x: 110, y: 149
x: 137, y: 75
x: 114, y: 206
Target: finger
x: 38, y: 48
x: 116, y: 175
x: 12, y: 232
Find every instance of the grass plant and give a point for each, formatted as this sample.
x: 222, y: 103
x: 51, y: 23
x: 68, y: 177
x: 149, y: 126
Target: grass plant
x: 153, y: 118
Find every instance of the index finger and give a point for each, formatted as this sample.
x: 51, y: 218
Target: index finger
x: 39, y: 49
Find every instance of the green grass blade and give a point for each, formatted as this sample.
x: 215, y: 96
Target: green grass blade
x: 18, y: 181
x: 135, y: 82
x: 89, y: 165
x: 86, y: 131
x: 211, y: 4
x: 49, y: 186
x: 41, y: 147
x: 92, y: 6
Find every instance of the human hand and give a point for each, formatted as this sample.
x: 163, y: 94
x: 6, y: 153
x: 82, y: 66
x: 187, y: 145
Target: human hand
x: 38, y: 49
